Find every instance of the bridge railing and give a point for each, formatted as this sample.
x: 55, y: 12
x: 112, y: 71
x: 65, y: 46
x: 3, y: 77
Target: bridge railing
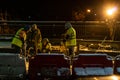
x: 54, y: 29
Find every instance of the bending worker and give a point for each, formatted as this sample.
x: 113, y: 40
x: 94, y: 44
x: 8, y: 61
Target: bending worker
x: 69, y: 38
x: 18, y: 41
x: 45, y: 46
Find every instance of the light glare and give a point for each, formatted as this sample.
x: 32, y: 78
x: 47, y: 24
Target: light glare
x: 114, y: 77
x: 88, y: 10
x: 111, y: 11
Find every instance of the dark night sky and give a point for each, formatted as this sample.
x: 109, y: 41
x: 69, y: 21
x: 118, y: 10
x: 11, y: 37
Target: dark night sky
x: 48, y: 9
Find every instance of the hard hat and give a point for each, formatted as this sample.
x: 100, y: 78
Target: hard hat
x: 45, y: 40
x: 67, y: 25
x: 27, y: 27
x: 34, y: 26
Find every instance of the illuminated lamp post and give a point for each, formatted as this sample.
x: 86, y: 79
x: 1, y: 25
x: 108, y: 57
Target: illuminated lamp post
x: 111, y: 21
x: 88, y: 10
x: 88, y: 14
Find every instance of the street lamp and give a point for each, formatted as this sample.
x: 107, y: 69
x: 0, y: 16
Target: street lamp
x: 111, y: 12
x: 111, y: 21
x: 88, y: 10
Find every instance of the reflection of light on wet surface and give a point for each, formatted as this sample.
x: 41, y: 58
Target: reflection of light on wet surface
x: 113, y: 77
x: 95, y: 78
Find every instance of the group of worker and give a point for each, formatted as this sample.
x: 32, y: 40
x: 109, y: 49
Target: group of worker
x: 28, y: 40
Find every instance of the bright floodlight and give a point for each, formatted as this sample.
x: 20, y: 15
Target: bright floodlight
x: 111, y: 11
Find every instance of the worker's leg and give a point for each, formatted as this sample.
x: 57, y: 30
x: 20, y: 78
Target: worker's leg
x: 71, y: 51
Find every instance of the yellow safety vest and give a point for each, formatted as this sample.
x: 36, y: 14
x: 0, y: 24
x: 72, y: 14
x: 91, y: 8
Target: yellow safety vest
x: 16, y: 40
x: 71, y: 41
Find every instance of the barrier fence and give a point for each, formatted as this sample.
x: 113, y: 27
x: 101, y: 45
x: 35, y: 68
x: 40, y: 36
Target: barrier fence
x: 57, y: 66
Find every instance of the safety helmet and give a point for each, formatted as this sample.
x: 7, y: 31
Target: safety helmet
x: 45, y: 40
x: 27, y: 27
x: 68, y: 25
x: 34, y: 27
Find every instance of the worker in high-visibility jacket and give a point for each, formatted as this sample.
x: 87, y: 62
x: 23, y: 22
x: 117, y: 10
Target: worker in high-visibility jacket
x: 45, y: 46
x: 34, y: 37
x: 18, y: 41
x: 69, y: 38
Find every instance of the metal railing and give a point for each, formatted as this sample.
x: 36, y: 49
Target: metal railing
x: 53, y: 29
